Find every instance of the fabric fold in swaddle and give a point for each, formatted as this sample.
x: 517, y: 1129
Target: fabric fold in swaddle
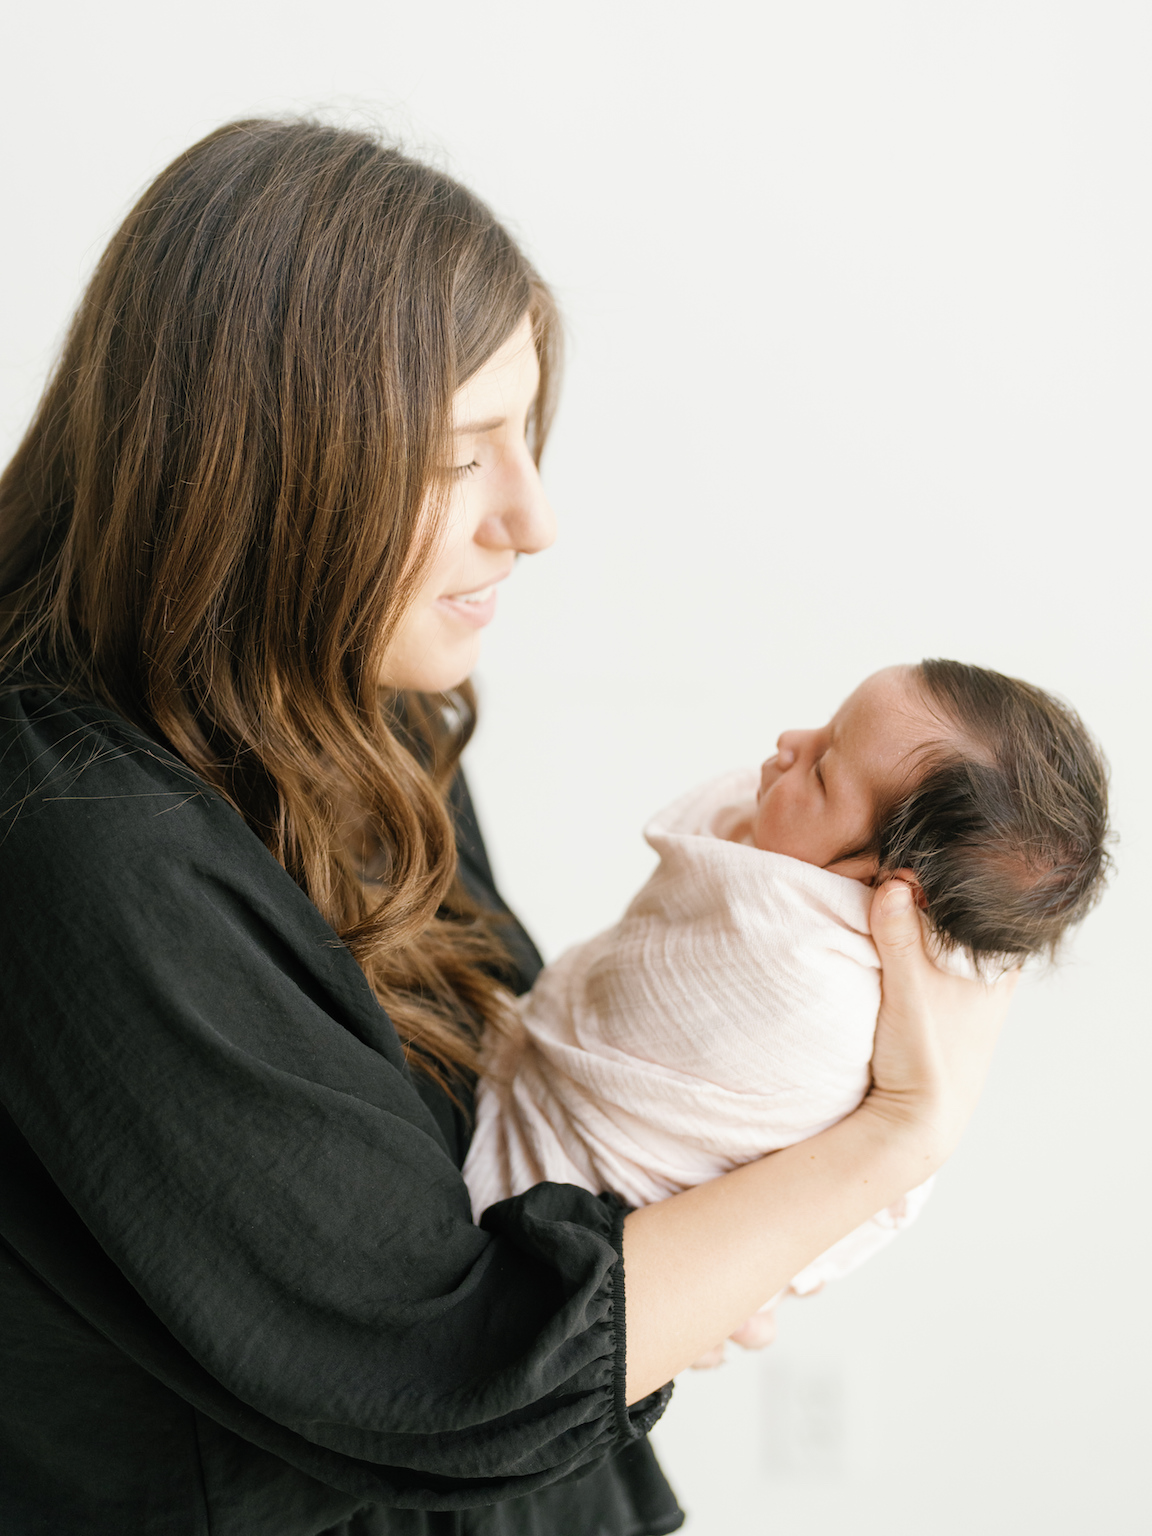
x: 729, y: 1013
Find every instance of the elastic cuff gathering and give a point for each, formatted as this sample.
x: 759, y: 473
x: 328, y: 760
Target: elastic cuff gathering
x: 635, y: 1422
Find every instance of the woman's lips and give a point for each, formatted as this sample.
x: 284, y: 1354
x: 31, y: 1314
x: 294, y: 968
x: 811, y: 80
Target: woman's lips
x: 476, y: 608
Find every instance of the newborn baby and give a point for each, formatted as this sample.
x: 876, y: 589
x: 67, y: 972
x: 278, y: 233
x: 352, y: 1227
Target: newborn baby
x: 731, y: 1010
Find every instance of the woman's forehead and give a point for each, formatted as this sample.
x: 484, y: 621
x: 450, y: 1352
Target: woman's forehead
x: 505, y: 384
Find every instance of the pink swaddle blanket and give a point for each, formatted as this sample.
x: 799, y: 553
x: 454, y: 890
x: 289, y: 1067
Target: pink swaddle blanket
x: 730, y: 1012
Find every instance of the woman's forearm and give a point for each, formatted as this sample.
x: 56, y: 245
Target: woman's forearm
x: 698, y: 1264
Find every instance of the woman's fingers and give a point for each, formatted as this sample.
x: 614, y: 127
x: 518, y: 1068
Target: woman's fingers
x: 936, y: 1032
x: 758, y: 1332
x: 709, y: 1360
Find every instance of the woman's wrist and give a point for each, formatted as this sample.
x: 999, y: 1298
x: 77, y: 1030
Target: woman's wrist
x: 909, y: 1136
x: 868, y: 1160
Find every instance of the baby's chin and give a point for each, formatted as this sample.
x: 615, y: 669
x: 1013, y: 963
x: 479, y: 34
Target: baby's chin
x: 853, y: 869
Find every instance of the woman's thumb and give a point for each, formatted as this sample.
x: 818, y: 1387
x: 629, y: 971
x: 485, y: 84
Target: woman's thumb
x: 894, y: 919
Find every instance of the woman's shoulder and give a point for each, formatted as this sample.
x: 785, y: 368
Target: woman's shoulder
x: 104, y: 829
x: 73, y: 770
x: 48, y: 734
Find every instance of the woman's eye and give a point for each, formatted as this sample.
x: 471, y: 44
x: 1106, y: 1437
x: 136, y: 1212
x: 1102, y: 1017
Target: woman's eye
x: 818, y: 771
x: 460, y: 470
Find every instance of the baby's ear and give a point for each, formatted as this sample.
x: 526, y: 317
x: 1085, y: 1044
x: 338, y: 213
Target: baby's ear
x: 910, y: 879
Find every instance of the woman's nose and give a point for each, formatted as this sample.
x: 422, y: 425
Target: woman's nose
x: 523, y: 520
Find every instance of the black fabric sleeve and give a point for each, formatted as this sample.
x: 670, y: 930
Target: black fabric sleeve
x: 219, y: 1158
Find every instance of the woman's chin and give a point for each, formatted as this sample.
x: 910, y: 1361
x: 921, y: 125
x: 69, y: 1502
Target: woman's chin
x: 431, y: 669
x: 436, y: 646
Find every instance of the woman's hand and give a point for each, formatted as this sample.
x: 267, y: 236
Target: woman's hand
x: 935, y: 1034
x: 698, y: 1264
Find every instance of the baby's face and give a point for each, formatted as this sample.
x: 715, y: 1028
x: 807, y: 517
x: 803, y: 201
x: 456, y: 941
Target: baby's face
x: 820, y: 793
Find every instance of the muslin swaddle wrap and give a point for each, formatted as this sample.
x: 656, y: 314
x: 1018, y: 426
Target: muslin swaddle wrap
x: 730, y: 1012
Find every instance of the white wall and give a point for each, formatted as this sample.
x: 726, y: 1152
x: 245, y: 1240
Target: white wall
x: 858, y: 298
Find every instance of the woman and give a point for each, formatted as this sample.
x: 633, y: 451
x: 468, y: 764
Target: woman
x: 246, y: 552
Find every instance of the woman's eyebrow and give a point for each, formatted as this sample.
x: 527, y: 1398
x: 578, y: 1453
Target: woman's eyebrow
x: 478, y: 428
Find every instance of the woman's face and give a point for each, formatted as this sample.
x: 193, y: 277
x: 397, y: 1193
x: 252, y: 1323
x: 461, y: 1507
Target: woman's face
x: 495, y: 511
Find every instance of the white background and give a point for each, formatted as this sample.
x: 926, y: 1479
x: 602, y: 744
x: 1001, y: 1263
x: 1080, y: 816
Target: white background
x: 858, y: 296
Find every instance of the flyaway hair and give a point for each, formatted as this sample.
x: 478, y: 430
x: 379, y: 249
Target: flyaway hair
x: 1007, y: 832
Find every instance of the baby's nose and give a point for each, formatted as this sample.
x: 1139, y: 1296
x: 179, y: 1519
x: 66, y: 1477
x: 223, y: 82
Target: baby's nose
x: 785, y: 756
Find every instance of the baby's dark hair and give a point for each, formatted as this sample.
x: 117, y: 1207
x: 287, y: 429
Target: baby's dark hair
x: 1005, y: 831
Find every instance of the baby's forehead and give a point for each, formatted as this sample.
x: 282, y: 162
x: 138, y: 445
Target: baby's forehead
x: 886, y: 698
x: 887, y: 723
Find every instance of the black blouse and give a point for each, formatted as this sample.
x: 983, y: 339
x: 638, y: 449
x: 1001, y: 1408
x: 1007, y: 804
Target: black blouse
x: 240, y: 1289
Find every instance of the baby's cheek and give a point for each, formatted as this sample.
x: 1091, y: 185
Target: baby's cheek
x: 777, y: 827
x: 786, y: 823
x: 762, y: 826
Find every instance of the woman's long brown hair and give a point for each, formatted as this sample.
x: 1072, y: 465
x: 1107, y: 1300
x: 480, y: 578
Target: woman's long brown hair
x: 221, y: 509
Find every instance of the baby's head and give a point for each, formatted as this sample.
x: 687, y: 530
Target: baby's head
x: 988, y: 790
